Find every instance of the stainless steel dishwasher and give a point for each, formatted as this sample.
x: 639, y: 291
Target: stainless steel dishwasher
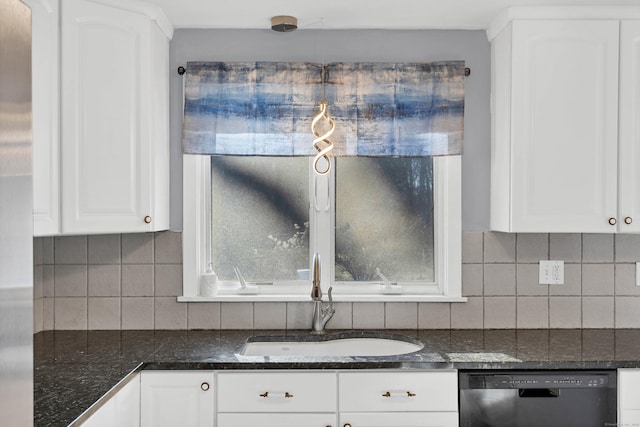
x: 538, y: 398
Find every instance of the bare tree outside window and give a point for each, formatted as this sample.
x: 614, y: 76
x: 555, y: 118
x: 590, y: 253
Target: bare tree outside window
x: 260, y: 216
x: 384, y: 219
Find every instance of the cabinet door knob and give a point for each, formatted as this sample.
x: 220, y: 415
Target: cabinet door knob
x: 628, y: 220
x: 204, y: 386
x: 147, y: 219
x: 387, y: 394
x: 612, y: 221
x: 409, y: 394
x: 346, y: 425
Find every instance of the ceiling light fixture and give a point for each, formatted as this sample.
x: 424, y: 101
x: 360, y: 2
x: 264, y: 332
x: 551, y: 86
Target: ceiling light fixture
x: 284, y: 23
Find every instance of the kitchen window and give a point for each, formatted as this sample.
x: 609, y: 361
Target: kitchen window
x: 370, y: 219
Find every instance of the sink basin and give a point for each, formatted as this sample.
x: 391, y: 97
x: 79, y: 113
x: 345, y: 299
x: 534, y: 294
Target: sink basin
x: 327, y: 346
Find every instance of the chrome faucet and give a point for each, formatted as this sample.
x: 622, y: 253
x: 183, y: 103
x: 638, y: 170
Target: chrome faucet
x: 321, y: 315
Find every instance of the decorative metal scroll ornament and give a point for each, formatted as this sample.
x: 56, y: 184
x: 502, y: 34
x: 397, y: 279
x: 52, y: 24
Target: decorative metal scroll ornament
x: 322, y: 143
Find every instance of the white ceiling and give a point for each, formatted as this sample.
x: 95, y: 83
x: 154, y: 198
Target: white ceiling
x: 356, y: 14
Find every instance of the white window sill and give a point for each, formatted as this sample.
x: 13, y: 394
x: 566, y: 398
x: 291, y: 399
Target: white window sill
x: 336, y: 298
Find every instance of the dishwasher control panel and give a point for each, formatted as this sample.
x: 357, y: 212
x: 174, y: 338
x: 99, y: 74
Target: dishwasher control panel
x: 530, y: 380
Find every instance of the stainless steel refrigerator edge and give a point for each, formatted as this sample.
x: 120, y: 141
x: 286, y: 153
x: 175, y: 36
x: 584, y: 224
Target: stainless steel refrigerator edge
x: 16, y: 224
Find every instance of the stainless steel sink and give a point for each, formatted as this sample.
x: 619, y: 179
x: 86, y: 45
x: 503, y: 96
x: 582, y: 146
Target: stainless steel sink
x: 336, y: 345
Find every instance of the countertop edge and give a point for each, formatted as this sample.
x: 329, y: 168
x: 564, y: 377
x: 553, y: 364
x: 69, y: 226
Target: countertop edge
x: 105, y: 397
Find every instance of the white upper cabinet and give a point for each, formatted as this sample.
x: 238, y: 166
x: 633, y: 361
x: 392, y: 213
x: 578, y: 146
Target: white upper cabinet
x: 629, y: 135
x: 46, y: 115
x: 115, y: 152
x: 555, y: 126
x: 101, y: 165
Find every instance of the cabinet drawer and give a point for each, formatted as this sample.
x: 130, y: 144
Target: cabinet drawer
x: 398, y: 391
x: 628, y: 388
x: 277, y: 392
x: 276, y: 420
x: 404, y: 419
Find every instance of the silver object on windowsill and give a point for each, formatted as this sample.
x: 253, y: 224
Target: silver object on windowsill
x: 245, y: 288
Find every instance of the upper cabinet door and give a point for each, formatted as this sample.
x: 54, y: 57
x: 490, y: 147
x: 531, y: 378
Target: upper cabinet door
x: 565, y: 103
x: 555, y: 126
x: 109, y: 145
x: 629, y: 136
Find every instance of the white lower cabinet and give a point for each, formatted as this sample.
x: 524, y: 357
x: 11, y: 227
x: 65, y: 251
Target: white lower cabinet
x: 276, y: 420
x: 278, y: 399
x: 399, y: 391
x: 377, y: 398
x: 122, y: 409
x: 399, y: 419
x: 398, y: 399
x: 629, y: 397
x: 177, y: 398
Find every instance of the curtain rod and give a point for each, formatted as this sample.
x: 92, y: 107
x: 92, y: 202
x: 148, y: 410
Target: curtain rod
x: 182, y: 70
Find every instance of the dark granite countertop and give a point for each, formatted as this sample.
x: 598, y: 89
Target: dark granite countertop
x: 73, y: 369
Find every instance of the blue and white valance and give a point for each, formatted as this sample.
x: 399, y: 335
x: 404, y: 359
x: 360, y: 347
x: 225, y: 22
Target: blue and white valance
x: 380, y: 109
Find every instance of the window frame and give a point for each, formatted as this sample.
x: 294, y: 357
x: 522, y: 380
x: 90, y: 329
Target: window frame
x: 447, y: 244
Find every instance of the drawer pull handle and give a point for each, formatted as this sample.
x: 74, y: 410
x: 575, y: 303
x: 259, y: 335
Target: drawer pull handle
x: 286, y: 394
x: 409, y: 394
x: 204, y: 386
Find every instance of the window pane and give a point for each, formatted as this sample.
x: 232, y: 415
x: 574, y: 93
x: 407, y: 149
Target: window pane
x: 260, y: 216
x: 384, y: 219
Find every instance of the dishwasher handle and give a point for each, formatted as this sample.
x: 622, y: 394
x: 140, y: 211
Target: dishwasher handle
x: 539, y: 392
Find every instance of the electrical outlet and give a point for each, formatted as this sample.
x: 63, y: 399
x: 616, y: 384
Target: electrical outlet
x: 551, y: 272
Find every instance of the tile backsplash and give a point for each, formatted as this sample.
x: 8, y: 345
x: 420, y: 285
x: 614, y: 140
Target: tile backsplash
x: 131, y: 281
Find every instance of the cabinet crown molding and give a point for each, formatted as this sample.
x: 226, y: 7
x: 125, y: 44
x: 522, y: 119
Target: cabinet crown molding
x: 150, y: 10
x: 561, y: 12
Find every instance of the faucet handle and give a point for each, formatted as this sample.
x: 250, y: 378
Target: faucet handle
x: 330, y: 306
